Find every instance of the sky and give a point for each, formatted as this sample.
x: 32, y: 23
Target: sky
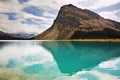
x: 35, y: 16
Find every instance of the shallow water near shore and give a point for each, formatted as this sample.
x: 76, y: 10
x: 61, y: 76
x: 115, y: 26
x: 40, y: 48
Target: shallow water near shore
x: 59, y: 60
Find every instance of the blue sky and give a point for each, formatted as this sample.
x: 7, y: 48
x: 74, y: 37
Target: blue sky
x: 35, y: 16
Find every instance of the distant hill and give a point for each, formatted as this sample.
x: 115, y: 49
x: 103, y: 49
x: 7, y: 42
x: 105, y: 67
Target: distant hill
x: 8, y: 36
x: 76, y: 23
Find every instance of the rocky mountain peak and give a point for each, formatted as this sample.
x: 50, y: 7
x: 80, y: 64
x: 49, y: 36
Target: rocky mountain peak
x: 71, y: 10
x: 76, y: 23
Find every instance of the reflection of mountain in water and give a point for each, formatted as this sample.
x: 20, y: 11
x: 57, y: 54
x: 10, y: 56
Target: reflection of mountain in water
x: 76, y: 56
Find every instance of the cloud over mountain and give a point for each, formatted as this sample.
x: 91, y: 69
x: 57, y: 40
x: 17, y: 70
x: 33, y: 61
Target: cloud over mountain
x: 35, y: 16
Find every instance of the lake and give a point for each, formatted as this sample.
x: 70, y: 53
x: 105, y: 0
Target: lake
x: 59, y: 60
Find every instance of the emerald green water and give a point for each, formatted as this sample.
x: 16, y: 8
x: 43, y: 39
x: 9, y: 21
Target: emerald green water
x: 59, y: 60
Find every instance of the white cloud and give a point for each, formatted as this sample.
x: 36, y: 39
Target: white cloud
x: 103, y: 3
x: 70, y: 78
x: 16, y: 26
x: 47, y: 14
x: 44, y: 22
x: 110, y: 15
x: 74, y: 2
x: 10, y: 6
x: 42, y: 3
x: 110, y: 64
x: 22, y: 50
x: 104, y: 76
x: 75, y: 76
x: 80, y: 76
x: 48, y: 7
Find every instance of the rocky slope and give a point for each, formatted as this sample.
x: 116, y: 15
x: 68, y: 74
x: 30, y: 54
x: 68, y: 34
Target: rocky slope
x: 76, y: 23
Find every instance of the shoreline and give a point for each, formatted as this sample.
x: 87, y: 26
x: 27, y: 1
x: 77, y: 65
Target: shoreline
x: 74, y: 40
x: 93, y: 40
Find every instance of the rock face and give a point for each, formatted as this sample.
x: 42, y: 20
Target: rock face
x: 76, y: 23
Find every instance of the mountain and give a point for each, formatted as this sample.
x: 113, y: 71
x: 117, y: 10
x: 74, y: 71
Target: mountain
x: 77, y: 23
x: 8, y: 36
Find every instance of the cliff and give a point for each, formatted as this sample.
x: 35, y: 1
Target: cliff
x: 77, y: 23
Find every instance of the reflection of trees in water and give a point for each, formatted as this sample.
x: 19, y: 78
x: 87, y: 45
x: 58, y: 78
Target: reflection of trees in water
x: 76, y: 56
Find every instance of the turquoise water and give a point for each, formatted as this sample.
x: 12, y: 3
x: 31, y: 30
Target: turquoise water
x: 59, y: 60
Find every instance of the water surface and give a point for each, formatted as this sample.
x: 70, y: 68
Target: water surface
x: 59, y: 60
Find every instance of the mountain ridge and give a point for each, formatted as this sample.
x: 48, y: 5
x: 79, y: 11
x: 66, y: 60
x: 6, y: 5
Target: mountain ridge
x: 9, y: 36
x: 77, y: 23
